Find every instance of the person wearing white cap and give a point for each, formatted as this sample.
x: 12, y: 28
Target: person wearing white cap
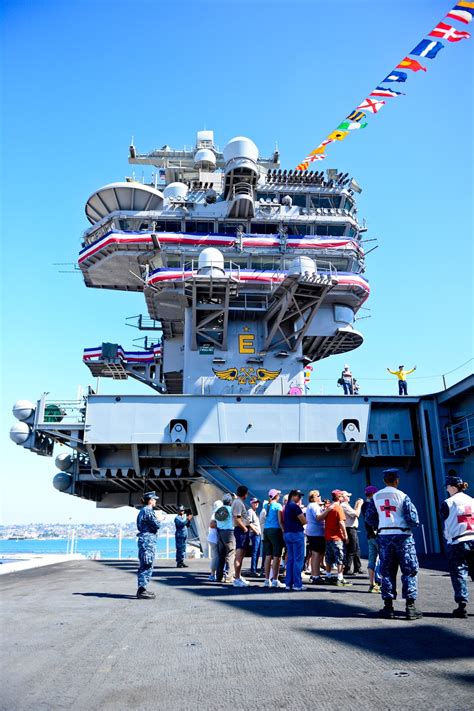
x: 353, y: 563
x: 273, y: 538
x: 212, y: 540
x: 255, y: 534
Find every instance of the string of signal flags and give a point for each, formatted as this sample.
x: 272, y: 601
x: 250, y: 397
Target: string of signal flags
x: 462, y: 12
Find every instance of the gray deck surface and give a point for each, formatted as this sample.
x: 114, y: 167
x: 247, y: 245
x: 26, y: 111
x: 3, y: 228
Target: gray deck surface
x: 73, y: 636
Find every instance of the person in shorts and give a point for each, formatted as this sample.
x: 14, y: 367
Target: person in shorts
x: 241, y: 532
x: 336, y: 535
x: 374, y: 587
x: 273, y: 538
x: 315, y: 515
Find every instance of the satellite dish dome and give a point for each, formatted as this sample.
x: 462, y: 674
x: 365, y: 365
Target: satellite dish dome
x: 23, y: 409
x: 302, y: 265
x: 211, y: 262
x: 241, y: 147
x: 64, y: 461
x: 20, y: 432
x: 176, y: 191
x: 205, y: 158
x: 62, y: 481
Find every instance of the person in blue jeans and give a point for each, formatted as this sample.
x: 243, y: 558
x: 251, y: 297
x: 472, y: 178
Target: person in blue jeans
x: 293, y: 522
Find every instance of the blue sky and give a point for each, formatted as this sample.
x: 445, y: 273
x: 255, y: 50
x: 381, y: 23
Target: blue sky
x: 79, y: 79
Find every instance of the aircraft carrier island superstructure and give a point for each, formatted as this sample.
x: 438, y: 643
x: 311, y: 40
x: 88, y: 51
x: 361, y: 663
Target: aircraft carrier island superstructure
x: 250, y: 273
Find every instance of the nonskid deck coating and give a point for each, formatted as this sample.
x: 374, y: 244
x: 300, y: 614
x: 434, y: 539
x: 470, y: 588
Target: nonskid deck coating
x: 75, y: 637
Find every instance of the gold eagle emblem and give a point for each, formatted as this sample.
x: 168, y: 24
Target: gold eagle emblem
x: 246, y: 375
x: 264, y: 374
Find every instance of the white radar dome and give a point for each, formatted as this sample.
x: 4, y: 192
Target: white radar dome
x: 240, y: 147
x: 303, y: 265
x: 19, y: 433
x: 176, y: 190
x: 211, y: 261
x: 205, y: 158
x: 63, y: 461
x: 62, y: 481
x: 23, y: 409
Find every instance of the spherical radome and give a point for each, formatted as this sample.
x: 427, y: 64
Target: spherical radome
x: 23, y: 409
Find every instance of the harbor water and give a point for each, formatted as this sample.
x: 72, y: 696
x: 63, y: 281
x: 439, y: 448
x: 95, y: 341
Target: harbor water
x: 89, y: 547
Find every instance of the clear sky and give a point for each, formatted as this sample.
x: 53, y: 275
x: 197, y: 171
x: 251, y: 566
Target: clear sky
x: 79, y: 79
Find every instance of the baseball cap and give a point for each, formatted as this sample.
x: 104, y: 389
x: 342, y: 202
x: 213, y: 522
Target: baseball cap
x: 227, y: 499
x: 254, y: 500
x: 346, y: 493
x: 371, y: 489
x: 151, y: 495
x: 181, y: 507
x: 453, y: 481
x: 273, y: 492
x: 336, y: 492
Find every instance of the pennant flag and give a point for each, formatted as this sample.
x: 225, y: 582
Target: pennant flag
x: 356, y: 116
x: 448, y: 32
x: 412, y: 64
x: 396, y: 76
x: 427, y: 49
x: 462, y: 16
x: 382, y: 91
x: 462, y: 13
x: 371, y: 105
x: 338, y: 135
x: 351, y: 125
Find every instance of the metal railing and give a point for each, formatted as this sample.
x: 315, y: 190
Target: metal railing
x: 461, y: 435
x: 60, y: 412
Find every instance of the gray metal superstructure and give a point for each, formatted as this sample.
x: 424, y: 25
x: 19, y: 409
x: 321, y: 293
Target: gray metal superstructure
x: 250, y: 273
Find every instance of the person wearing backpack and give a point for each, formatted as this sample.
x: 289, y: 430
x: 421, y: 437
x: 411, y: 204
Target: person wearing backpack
x: 225, y: 537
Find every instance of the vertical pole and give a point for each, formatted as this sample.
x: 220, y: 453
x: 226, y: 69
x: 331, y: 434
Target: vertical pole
x: 444, y: 382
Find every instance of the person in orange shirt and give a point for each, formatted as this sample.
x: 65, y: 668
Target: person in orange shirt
x: 336, y: 535
x: 401, y: 374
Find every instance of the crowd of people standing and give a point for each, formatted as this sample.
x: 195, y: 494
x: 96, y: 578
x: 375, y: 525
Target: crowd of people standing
x: 286, y: 538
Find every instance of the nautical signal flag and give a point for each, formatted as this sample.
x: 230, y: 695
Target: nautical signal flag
x: 396, y: 76
x: 351, y: 125
x: 371, y: 105
x: 338, y: 135
x: 356, y: 116
x: 389, y: 93
x: 412, y: 64
x: 427, y: 49
x: 448, y: 32
x: 463, y: 11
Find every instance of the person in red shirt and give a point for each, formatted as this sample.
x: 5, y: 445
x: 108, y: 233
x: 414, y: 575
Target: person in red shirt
x: 336, y: 535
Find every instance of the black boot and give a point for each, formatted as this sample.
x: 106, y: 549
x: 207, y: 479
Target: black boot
x: 411, y: 612
x: 143, y: 594
x: 387, y: 610
x: 460, y: 611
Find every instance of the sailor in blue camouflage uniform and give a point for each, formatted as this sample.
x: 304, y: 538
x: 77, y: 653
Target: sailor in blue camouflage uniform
x: 182, y: 522
x: 457, y: 514
x: 148, y: 526
x: 391, y: 513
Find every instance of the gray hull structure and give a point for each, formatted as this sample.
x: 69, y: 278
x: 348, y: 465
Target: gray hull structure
x: 249, y: 275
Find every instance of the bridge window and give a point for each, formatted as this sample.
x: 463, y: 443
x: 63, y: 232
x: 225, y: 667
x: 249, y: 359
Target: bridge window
x: 265, y: 263
x: 173, y: 261
x: 325, y: 201
x: 299, y: 199
x: 199, y: 227
x: 229, y: 228
x: 296, y: 229
x: 330, y: 230
x: 168, y: 225
x: 263, y: 228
